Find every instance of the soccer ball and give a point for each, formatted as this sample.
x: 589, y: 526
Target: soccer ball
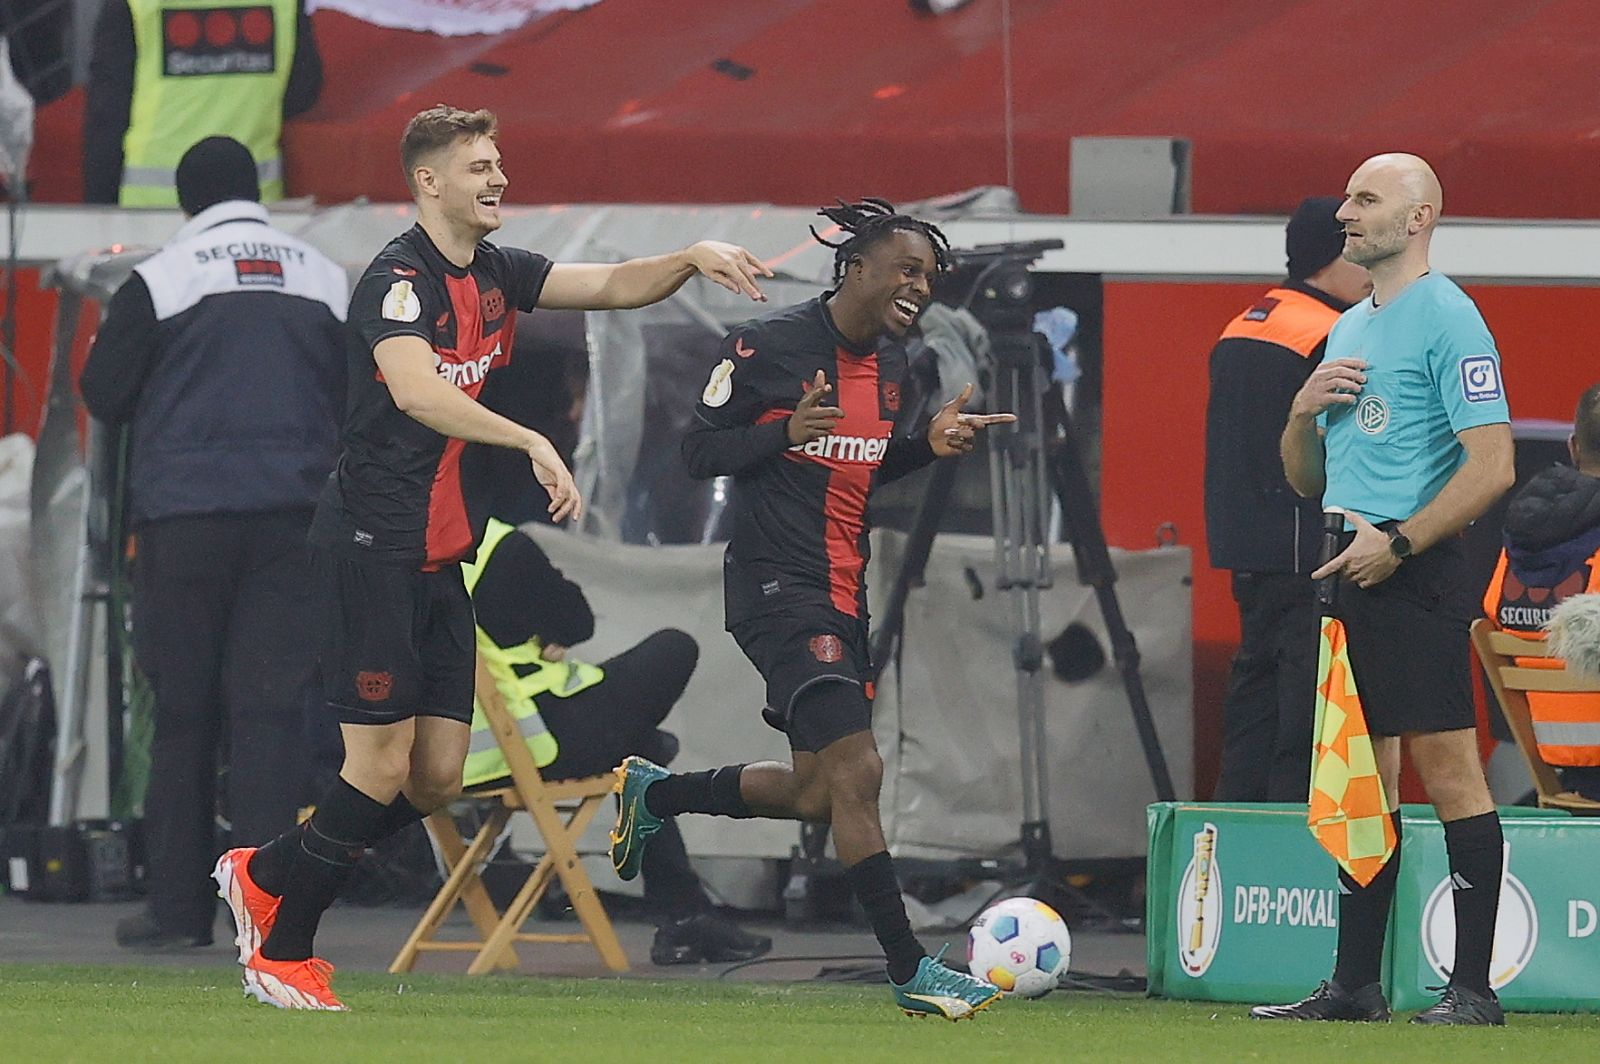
x: 1021, y: 946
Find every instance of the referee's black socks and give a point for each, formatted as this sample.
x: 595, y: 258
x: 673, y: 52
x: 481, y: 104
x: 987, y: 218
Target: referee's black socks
x: 877, y: 888
x: 1363, y: 918
x: 1476, y: 850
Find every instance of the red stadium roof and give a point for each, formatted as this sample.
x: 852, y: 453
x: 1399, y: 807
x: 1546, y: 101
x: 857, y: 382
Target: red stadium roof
x: 798, y: 101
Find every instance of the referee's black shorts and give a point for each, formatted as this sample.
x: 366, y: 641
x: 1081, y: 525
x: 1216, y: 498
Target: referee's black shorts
x: 398, y: 642
x: 1409, y: 644
x: 800, y: 649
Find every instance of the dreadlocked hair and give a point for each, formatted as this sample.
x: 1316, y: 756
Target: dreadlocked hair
x: 869, y: 221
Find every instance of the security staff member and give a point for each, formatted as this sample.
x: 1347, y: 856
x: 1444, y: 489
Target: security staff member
x: 1405, y: 428
x: 1552, y: 552
x: 224, y: 356
x: 165, y: 73
x: 581, y: 720
x: 1256, y: 526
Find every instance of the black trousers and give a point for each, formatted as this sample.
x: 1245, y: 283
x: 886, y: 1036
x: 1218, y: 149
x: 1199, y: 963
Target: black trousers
x: 222, y: 626
x: 598, y: 727
x: 1271, y: 700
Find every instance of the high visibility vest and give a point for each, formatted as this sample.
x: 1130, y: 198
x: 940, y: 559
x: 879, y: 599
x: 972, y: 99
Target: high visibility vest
x: 521, y: 674
x: 1566, y: 727
x: 204, y: 68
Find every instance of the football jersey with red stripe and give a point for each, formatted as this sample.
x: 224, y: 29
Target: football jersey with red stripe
x: 799, y: 511
x: 396, y: 492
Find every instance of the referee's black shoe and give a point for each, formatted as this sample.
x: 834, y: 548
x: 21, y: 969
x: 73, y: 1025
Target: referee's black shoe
x: 1330, y: 1001
x: 1461, y: 1007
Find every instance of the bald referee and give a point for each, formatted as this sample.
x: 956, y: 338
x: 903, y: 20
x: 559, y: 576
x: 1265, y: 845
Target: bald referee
x: 1405, y: 427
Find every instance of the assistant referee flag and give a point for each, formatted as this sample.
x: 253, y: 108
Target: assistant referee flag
x: 1348, y: 812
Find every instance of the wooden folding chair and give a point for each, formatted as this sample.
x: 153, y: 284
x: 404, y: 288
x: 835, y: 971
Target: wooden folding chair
x: 1498, y: 650
x: 499, y: 932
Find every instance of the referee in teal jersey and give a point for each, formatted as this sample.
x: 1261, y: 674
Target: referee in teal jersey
x: 1405, y: 428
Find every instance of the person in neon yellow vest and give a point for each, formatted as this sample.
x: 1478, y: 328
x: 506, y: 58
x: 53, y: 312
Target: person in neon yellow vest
x: 165, y: 74
x: 580, y: 719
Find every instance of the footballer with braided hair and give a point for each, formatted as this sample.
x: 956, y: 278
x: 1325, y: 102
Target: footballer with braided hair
x: 800, y: 411
x: 867, y: 222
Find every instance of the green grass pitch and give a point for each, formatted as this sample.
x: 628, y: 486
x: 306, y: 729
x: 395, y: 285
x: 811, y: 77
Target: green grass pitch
x: 127, y: 1015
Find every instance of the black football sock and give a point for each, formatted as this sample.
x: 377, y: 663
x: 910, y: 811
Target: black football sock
x: 1363, y: 918
x: 714, y: 791
x: 269, y: 865
x: 877, y: 888
x: 401, y: 814
x: 344, y: 825
x: 1476, y: 849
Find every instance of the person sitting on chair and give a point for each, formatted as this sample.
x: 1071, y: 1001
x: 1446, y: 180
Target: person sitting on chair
x: 1552, y: 553
x: 581, y: 719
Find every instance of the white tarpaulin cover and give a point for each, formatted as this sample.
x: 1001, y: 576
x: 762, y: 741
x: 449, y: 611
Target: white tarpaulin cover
x: 19, y: 623
x: 449, y: 18
x: 946, y: 722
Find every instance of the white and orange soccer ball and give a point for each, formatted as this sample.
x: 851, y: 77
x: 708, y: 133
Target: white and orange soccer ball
x: 1021, y: 946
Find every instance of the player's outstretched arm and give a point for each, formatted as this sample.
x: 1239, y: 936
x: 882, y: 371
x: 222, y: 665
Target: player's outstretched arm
x: 641, y: 282
x: 406, y: 366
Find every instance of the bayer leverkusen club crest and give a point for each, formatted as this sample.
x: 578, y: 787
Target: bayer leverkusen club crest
x: 374, y: 686
x: 826, y: 648
x: 492, y: 305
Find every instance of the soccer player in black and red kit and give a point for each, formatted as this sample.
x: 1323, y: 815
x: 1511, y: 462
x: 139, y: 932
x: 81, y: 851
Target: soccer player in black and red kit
x: 432, y: 316
x: 800, y: 411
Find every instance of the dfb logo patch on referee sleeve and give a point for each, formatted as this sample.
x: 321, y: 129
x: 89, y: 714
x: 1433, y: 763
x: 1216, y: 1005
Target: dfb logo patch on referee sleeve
x: 1480, y: 379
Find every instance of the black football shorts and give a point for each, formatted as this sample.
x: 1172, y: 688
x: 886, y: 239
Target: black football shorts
x: 798, y: 649
x: 1409, y: 645
x: 398, y: 642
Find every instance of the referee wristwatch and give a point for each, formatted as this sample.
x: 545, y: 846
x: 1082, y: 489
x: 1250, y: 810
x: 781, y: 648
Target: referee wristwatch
x: 1399, y: 543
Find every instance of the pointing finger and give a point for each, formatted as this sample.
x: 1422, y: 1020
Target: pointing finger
x: 1333, y: 566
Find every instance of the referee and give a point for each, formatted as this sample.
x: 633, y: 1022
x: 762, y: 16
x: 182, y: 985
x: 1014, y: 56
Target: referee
x: 1405, y: 427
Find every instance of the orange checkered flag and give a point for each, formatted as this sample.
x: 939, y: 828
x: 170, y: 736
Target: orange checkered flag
x: 1349, y: 814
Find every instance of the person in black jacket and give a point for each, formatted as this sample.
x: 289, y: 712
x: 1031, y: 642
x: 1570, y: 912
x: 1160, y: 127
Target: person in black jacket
x: 223, y: 355
x: 1256, y: 526
x: 1551, y: 553
x: 522, y: 596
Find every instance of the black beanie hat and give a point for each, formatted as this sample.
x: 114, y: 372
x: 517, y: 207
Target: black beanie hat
x: 1314, y: 237
x: 215, y: 170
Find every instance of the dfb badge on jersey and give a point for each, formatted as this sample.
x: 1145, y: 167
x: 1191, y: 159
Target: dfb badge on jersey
x: 719, y: 389
x: 1480, y: 379
x: 401, y: 304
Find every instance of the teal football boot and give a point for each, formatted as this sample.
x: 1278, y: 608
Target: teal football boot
x: 940, y: 991
x: 635, y: 822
